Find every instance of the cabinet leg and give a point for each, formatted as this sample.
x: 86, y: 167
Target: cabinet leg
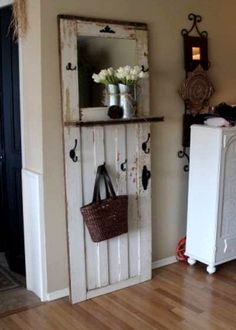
x: 191, y: 261
x: 211, y: 269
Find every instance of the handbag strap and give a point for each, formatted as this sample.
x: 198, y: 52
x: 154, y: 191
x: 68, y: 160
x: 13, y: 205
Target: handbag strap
x: 102, y: 172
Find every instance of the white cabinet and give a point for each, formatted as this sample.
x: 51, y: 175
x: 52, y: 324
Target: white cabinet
x: 211, y: 216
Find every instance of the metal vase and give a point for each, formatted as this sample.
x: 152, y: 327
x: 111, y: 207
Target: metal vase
x: 113, y: 93
x: 127, y: 101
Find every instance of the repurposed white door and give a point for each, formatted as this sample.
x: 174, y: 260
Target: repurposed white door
x: 98, y: 268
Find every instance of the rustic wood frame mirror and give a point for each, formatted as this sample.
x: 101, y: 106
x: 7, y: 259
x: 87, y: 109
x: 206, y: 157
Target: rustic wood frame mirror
x: 76, y: 30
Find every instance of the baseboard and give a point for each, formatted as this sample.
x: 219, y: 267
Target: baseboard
x: 164, y: 262
x: 58, y: 294
x: 156, y: 264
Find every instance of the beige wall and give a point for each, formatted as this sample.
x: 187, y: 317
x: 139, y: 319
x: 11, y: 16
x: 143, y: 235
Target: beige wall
x: 165, y: 19
x: 31, y: 79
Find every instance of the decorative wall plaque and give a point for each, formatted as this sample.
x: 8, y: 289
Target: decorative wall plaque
x: 196, y: 90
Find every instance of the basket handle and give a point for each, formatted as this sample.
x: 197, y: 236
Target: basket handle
x: 102, y: 172
x: 108, y: 183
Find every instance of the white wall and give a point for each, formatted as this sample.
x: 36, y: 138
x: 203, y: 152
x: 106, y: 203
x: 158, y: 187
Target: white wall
x: 165, y: 20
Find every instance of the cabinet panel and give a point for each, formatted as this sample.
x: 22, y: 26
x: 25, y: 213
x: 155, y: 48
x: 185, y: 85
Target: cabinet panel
x: 227, y: 210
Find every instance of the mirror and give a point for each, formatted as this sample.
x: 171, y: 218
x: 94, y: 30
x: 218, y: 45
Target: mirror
x: 195, y: 52
x: 95, y: 54
x: 89, y: 45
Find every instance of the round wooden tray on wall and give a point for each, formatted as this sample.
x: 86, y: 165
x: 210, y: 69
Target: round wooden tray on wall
x: 196, y: 90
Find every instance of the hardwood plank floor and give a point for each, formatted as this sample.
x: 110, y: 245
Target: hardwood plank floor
x: 179, y: 297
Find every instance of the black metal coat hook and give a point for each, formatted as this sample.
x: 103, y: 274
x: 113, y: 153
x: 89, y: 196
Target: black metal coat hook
x: 123, y: 166
x: 73, y: 155
x: 144, y: 145
x: 70, y: 68
x: 143, y: 68
x: 182, y: 154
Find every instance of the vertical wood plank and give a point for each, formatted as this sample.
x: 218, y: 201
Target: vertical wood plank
x: 144, y: 206
x: 115, y: 143
x: 68, y: 54
x: 74, y: 199
x: 102, y: 247
x: 143, y: 84
x: 96, y: 253
x: 93, y: 280
x: 132, y: 183
x: 144, y: 196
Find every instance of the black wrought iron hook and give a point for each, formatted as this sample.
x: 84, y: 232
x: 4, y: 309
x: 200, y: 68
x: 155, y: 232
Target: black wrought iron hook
x: 144, y: 145
x: 72, y: 153
x: 70, y: 68
x: 143, y: 68
x: 182, y: 154
x: 123, y: 166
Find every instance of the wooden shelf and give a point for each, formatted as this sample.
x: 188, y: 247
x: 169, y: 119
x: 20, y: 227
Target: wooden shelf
x: 134, y: 120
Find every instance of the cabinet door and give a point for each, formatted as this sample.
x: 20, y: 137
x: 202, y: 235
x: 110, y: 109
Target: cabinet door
x: 226, y: 245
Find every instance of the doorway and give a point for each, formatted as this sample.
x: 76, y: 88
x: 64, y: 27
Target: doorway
x: 11, y: 211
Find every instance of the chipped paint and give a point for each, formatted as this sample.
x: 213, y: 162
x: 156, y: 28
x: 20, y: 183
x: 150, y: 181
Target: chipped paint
x: 68, y: 110
x: 118, y: 156
x: 93, y: 136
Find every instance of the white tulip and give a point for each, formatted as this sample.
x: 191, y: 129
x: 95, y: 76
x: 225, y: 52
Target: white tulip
x: 96, y: 78
x: 143, y: 75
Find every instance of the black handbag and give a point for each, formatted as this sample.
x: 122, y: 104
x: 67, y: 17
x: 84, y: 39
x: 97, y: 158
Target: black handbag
x: 105, y: 218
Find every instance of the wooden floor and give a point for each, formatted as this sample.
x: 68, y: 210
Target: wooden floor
x: 178, y: 297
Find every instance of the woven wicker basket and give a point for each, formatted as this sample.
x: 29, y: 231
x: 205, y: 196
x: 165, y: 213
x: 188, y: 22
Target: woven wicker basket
x: 106, y: 218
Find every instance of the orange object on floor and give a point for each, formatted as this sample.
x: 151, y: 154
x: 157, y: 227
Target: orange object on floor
x: 180, y: 250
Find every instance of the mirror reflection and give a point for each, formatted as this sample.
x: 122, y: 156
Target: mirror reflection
x: 196, y: 53
x: 95, y: 54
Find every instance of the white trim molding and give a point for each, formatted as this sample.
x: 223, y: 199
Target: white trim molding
x: 58, y: 294
x: 156, y: 264
x: 34, y: 233
x: 164, y: 262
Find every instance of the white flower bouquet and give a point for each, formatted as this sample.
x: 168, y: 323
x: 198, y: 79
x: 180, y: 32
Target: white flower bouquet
x: 128, y: 75
x: 121, y: 85
x: 106, y: 77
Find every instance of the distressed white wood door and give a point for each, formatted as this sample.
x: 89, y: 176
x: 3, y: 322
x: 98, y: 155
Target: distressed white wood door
x: 98, y: 268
